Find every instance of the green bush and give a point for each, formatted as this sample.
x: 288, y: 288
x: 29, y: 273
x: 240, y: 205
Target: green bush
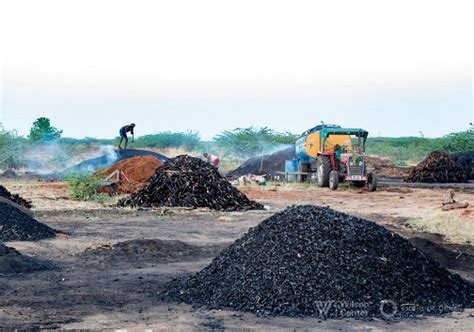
x: 84, y: 188
x: 246, y: 142
x: 43, y: 131
x: 12, y: 149
x: 189, y: 140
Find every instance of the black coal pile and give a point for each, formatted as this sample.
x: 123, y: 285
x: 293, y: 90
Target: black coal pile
x: 15, y: 198
x: 315, y: 261
x: 264, y: 165
x: 9, y: 174
x: 465, y: 160
x: 438, y: 167
x: 15, y: 225
x: 91, y: 165
x: 12, y: 262
x: 185, y: 181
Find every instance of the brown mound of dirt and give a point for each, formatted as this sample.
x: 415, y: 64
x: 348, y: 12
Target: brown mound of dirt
x: 12, y: 262
x: 137, y: 171
x: 385, y: 168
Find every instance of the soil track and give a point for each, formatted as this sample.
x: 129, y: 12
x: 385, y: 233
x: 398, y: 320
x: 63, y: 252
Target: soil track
x: 88, y: 291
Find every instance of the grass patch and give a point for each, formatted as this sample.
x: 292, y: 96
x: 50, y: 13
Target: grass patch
x: 454, y: 228
x: 85, y: 188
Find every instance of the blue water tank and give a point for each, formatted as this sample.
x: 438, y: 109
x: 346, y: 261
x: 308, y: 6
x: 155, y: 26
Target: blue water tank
x: 291, y: 166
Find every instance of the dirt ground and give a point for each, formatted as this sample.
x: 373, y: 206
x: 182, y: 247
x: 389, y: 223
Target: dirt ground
x: 87, y: 291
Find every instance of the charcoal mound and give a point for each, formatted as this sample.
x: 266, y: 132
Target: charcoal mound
x: 438, y: 167
x: 264, y: 165
x: 465, y: 160
x: 185, y: 181
x: 91, y: 165
x: 13, y: 263
x: 15, y: 225
x: 15, y: 198
x: 9, y: 174
x: 318, y: 262
x: 156, y: 249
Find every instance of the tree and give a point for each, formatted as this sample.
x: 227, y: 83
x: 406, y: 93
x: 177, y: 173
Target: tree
x: 42, y: 131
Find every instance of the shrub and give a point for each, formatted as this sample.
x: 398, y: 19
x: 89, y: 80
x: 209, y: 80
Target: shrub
x: 84, y: 188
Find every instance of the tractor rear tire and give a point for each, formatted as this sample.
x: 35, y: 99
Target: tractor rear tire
x: 324, y: 168
x: 333, y: 180
x: 372, y: 182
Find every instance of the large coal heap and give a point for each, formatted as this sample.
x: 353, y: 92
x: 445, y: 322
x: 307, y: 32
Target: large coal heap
x: 265, y: 165
x: 315, y: 261
x: 12, y: 262
x: 15, y: 225
x: 15, y: 198
x: 189, y: 182
x: 438, y: 167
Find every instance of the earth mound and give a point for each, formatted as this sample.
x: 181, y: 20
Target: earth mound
x: 137, y: 171
x: 13, y: 263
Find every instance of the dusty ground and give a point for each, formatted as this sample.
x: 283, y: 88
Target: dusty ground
x: 88, y: 292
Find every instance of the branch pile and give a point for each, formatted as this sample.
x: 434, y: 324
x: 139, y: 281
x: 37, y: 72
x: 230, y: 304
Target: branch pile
x: 438, y: 167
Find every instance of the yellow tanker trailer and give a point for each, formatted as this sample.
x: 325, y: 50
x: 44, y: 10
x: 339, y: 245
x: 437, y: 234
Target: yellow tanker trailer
x: 332, y: 154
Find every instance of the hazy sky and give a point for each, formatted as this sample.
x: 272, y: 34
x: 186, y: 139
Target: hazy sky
x: 91, y: 66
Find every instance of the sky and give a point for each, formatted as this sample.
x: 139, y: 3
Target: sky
x: 400, y: 68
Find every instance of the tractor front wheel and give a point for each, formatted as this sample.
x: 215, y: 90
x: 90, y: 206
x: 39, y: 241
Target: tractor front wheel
x: 333, y: 180
x: 324, y: 168
x: 372, y: 182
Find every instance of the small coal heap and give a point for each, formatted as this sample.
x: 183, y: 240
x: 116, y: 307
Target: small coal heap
x: 315, y: 261
x: 268, y: 164
x: 15, y: 225
x: 189, y: 182
x: 12, y: 262
x: 438, y: 167
x: 15, y: 198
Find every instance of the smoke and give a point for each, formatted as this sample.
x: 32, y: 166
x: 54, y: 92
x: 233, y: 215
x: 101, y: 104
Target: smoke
x: 54, y: 157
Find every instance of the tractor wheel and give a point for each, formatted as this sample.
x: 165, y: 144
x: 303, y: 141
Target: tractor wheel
x: 359, y: 184
x: 372, y: 181
x: 301, y: 169
x: 323, y: 171
x: 333, y: 180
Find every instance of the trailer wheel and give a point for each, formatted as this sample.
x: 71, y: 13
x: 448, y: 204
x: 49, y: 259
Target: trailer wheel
x: 323, y: 171
x: 372, y: 182
x: 333, y: 180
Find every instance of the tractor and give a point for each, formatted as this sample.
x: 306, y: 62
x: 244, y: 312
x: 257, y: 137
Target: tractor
x: 331, y: 154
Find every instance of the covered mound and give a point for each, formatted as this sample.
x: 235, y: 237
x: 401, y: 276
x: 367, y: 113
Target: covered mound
x: 265, y: 165
x: 12, y: 262
x: 313, y: 261
x: 137, y: 170
x: 91, y: 165
x: 15, y: 198
x: 438, y: 167
x: 189, y: 182
x: 15, y: 225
